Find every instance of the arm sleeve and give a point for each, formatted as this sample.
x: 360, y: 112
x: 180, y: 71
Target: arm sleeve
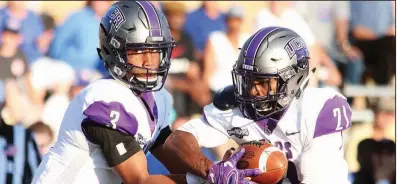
x: 116, y: 146
x: 206, y: 135
x: 323, y: 161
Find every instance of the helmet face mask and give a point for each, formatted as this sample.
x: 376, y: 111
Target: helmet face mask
x: 269, y: 72
x: 257, y: 92
x: 136, y: 45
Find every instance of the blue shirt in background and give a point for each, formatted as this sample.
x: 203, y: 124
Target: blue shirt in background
x: 199, y: 26
x: 31, y: 28
x: 76, y: 41
x: 375, y: 15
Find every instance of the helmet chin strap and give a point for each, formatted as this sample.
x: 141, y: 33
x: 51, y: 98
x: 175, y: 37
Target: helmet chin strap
x: 305, y: 81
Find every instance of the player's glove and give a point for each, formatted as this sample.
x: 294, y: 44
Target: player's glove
x: 225, y: 172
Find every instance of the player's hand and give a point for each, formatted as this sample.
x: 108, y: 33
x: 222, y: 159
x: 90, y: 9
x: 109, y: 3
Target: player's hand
x: 225, y: 172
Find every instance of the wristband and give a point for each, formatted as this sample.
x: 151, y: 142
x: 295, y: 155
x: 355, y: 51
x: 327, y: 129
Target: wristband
x: 193, y: 179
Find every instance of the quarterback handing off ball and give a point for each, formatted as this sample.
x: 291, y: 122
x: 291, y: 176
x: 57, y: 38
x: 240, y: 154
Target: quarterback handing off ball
x: 270, y: 159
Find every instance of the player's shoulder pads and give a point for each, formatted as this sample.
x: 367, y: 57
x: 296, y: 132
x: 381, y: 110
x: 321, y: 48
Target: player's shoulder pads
x: 329, y: 112
x: 224, y: 99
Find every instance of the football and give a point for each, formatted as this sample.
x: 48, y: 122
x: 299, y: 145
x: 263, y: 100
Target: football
x: 270, y: 159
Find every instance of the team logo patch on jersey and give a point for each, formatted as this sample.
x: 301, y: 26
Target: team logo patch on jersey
x: 140, y: 139
x: 117, y: 17
x: 238, y: 132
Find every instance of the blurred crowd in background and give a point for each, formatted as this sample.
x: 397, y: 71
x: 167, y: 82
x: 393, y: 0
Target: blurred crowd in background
x: 45, y: 62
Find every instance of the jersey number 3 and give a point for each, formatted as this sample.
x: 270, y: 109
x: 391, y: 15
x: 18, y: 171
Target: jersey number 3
x: 114, y: 118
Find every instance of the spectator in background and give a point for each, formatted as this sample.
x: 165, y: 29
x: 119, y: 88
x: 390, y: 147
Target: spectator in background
x: 43, y: 136
x: 76, y: 40
x: 15, y: 74
x: 30, y: 30
x: 201, y: 22
x: 329, y: 21
x: 47, y: 74
x: 382, y: 128
x: 365, y: 151
x: 222, y: 49
x: 19, y: 156
x: 13, y: 63
x: 45, y: 39
x: 384, y: 162
x: 373, y: 31
x: 281, y: 13
x: 377, y: 161
x: 56, y: 105
x: 184, y: 70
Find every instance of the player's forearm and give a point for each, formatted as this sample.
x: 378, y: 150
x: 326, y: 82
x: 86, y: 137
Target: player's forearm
x: 189, y: 156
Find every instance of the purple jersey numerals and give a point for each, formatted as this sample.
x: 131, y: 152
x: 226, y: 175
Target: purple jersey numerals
x: 113, y: 115
x: 335, y: 116
x: 286, y: 147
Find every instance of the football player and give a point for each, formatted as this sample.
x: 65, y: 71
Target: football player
x: 111, y: 124
x: 269, y: 100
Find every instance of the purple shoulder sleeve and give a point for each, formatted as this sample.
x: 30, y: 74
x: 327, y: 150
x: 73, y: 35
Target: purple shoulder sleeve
x: 113, y: 115
x: 335, y: 116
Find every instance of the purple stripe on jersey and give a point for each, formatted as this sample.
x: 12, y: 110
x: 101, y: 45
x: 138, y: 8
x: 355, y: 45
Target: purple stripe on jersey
x: 335, y: 116
x: 152, y: 17
x: 255, y: 42
x: 150, y: 100
x: 267, y: 125
x: 113, y: 115
x: 262, y: 124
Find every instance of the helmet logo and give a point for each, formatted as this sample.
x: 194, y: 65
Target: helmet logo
x: 117, y: 17
x: 293, y: 47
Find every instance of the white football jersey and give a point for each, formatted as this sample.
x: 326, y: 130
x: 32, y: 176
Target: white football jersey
x: 74, y: 159
x: 309, y: 132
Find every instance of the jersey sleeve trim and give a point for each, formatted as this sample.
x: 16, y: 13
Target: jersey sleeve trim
x: 113, y: 115
x: 335, y: 116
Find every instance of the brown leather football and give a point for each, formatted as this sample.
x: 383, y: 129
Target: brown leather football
x: 270, y: 159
